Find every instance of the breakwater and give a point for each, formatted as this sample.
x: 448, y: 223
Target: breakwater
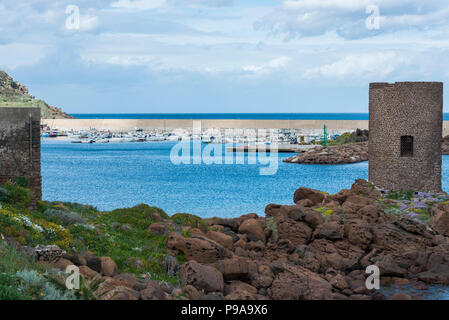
x: 148, y: 124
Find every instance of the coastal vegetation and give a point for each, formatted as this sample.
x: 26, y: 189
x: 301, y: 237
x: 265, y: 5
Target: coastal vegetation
x: 322, y: 244
x: 358, y: 135
x: 15, y: 94
x: 122, y: 234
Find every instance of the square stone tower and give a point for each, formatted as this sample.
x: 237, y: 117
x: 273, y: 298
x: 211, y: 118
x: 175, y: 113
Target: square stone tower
x: 20, y: 147
x: 405, y: 135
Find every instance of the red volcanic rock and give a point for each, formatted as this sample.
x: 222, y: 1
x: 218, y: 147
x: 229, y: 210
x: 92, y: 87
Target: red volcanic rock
x: 202, y: 277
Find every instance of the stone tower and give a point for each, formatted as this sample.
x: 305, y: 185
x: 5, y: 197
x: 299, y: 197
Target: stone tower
x: 20, y: 147
x: 405, y: 135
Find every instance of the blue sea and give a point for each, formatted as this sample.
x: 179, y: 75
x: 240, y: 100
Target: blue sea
x: 231, y: 116
x: 111, y: 176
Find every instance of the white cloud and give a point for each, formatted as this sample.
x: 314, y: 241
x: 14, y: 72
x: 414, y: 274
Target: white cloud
x: 272, y: 65
x: 303, y: 18
x: 372, y: 65
x: 204, y: 3
x: 138, y: 4
x: 88, y: 22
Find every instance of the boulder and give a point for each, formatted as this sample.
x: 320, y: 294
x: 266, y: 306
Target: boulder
x: 202, y: 277
x: 108, y: 267
x: 111, y: 289
x: 92, y: 261
x: 88, y: 273
x: 296, y: 232
x: 236, y: 268
x: 315, y: 196
x: 62, y: 264
x: 200, y: 250
x: 253, y: 229
x: 130, y: 280
x: 152, y: 292
x: 221, y: 238
x: 314, y: 219
x: 331, y: 230
x: 401, y: 296
x: 298, y: 283
x: 238, y: 286
x: 191, y: 292
x: 358, y: 233
x: 241, y: 295
x: 439, y: 220
x: 233, y: 224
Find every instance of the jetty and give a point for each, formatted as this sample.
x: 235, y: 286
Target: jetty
x: 280, y: 148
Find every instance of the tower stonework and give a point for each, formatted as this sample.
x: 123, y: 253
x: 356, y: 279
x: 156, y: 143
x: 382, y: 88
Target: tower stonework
x: 405, y: 135
x: 20, y: 147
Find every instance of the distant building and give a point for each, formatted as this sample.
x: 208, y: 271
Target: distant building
x: 405, y: 135
x: 20, y: 147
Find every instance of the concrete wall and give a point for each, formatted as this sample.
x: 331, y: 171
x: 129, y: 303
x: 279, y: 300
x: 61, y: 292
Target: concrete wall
x: 20, y: 148
x: 406, y: 109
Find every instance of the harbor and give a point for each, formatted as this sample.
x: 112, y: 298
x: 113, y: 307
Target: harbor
x: 241, y: 140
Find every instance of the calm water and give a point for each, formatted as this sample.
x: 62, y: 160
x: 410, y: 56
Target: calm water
x: 118, y: 175
x: 257, y: 116
x: 111, y: 176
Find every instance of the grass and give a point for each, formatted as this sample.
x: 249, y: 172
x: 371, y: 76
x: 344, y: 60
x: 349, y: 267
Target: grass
x: 121, y: 234
x: 22, y: 278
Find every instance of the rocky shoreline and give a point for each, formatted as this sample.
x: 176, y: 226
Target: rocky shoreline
x: 340, y: 154
x: 317, y: 249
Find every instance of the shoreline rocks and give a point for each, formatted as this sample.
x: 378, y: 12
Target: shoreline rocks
x: 318, y: 248
x: 321, y: 251
x: 341, y: 154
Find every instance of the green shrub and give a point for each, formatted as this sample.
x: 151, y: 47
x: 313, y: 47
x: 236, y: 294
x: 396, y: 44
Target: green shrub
x: 63, y: 217
x: 17, y: 195
x: 9, y: 288
x: 23, y: 182
x: 190, y: 220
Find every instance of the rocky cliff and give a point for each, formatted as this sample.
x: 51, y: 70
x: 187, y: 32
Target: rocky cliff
x: 15, y: 94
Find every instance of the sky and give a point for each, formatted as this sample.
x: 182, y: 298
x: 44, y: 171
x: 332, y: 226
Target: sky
x: 220, y: 56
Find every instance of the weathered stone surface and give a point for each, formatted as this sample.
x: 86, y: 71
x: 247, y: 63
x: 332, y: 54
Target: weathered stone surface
x: 238, y: 286
x: 253, y: 229
x: 62, y: 264
x: 315, y: 196
x: 297, y: 283
x: 108, y: 267
x: 197, y: 249
x: 345, y: 153
x: 202, y: 277
x: 236, y: 268
x: 221, y: 238
x: 440, y: 218
x: 92, y: 261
